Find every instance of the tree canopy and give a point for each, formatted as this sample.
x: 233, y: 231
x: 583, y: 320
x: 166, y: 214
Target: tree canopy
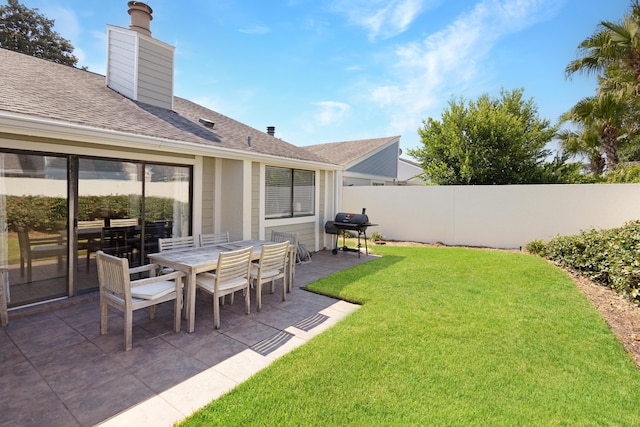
x: 26, y: 30
x: 613, y: 53
x: 488, y: 141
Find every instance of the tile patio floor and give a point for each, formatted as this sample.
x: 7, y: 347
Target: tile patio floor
x: 57, y: 370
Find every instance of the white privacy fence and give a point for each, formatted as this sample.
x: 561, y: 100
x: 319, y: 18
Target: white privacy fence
x: 506, y: 216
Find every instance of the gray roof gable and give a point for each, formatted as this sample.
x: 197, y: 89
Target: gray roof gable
x: 47, y: 90
x: 350, y: 152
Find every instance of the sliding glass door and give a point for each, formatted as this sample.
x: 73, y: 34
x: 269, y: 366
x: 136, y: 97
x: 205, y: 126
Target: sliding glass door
x: 120, y: 207
x: 109, y: 214
x: 33, y: 232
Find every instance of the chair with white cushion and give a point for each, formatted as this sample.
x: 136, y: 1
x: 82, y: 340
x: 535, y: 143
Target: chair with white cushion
x: 271, y: 267
x: 231, y: 275
x: 292, y: 238
x: 119, y: 291
x: 214, y: 239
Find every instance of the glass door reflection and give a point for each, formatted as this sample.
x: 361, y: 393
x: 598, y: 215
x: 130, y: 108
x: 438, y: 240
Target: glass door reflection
x: 33, y: 216
x: 109, y: 212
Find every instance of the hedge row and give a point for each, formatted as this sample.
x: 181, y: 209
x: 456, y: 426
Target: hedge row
x: 40, y: 213
x: 610, y: 257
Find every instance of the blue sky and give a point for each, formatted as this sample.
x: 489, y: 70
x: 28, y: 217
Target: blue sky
x: 337, y: 70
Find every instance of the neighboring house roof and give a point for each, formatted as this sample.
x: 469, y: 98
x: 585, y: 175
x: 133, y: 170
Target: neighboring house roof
x: 46, y: 90
x: 347, y: 153
x: 410, y: 162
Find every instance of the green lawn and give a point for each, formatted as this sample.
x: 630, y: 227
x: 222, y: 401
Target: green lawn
x: 447, y: 336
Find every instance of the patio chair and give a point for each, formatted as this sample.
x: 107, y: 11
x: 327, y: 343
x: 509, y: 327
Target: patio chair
x: 214, y: 238
x: 292, y: 238
x: 271, y: 267
x: 38, y: 248
x: 119, y: 291
x: 173, y: 243
x: 232, y: 274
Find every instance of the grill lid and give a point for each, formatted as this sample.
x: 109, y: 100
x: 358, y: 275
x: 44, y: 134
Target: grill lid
x: 351, y: 218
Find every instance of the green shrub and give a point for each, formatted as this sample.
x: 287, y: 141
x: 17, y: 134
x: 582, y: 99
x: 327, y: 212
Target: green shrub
x: 536, y: 247
x: 610, y: 257
x: 376, y: 236
x: 624, y: 173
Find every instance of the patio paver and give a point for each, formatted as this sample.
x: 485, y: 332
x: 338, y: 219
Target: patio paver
x: 78, y: 377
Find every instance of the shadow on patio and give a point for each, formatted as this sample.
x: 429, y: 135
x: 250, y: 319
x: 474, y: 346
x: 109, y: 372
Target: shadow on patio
x: 57, y: 370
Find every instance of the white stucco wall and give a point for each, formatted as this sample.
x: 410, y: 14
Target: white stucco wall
x: 493, y: 216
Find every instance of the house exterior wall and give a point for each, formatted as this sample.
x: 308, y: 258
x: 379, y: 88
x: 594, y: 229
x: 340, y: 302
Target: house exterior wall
x: 407, y: 173
x: 255, y: 200
x: 208, y: 194
x: 231, y: 198
x: 505, y: 216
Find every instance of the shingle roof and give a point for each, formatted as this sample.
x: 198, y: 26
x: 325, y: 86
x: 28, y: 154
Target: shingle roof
x: 343, y: 153
x: 48, y: 90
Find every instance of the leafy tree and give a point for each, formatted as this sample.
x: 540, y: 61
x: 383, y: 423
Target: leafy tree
x: 612, y: 52
x: 27, y: 31
x: 487, y: 141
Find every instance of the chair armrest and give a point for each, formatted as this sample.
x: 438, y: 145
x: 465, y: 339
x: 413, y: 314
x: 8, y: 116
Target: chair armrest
x: 143, y: 268
x: 178, y: 275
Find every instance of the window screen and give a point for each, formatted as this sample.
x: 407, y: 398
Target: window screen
x: 289, y: 192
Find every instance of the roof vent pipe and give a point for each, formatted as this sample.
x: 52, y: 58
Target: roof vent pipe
x: 249, y: 141
x: 271, y: 130
x: 140, y: 17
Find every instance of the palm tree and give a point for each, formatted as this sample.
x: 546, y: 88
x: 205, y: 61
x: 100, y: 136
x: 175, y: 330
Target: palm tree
x: 612, y: 43
x: 583, y: 143
x: 604, y: 113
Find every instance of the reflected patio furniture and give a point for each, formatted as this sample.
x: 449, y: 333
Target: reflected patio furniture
x: 153, y: 232
x: 38, y: 248
x: 89, y: 234
x: 119, y: 291
x: 232, y: 274
x: 119, y: 241
x: 271, y: 267
x: 214, y: 238
x: 292, y: 238
x: 123, y: 222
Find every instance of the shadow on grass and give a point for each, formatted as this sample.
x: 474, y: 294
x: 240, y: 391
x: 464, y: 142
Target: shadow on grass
x: 335, y: 284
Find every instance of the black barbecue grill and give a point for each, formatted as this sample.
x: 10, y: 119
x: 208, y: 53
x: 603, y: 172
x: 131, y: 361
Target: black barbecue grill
x: 352, y: 222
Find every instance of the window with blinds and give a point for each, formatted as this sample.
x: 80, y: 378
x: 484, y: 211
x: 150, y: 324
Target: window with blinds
x: 289, y: 192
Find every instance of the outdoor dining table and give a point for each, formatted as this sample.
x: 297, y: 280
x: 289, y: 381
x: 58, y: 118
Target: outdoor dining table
x: 192, y: 261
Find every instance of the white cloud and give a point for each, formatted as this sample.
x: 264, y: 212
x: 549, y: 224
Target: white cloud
x: 452, y: 61
x: 255, y: 30
x: 331, y: 112
x: 381, y: 18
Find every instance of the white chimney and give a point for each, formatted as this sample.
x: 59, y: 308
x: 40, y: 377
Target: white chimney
x: 139, y: 66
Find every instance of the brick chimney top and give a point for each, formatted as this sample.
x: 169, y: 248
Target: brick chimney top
x: 140, y: 17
